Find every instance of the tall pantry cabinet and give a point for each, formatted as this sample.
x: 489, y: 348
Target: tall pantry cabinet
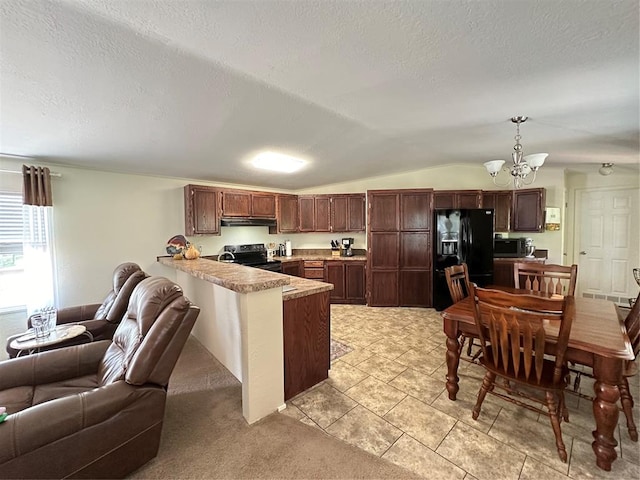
x: 399, y: 247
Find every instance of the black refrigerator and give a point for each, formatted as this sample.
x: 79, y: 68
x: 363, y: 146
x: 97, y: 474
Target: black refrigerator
x: 462, y: 236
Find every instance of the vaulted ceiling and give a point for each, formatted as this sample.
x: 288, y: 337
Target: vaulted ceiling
x: 360, y: 88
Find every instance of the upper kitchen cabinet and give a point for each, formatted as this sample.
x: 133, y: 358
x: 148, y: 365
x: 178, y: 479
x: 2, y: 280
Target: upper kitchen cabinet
x: 314, y: 213
x: 347, y: 213
x: 500, y: 201
x: 457, y: 199
x: 331, y: 213
x: 246, y: 203
x: 528, y: 210
x: 201, y: 210
x: 287, y: 214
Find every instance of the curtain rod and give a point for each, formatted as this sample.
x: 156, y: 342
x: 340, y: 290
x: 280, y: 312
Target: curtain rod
x: 53, y: 174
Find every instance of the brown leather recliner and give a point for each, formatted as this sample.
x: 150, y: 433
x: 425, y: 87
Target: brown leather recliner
x: 100, y: 319
x: 96, y: 410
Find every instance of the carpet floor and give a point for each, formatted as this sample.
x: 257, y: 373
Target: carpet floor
x: 205, y: 435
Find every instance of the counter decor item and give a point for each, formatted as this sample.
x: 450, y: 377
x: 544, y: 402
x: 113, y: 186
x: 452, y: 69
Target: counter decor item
x: 191, y: 252
x: 177, y: 245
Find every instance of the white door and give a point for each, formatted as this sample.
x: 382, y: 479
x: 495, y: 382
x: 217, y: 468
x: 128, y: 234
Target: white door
x: 608, y: 244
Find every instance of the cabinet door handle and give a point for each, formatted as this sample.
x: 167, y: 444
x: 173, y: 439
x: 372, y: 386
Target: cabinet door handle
x: 583, y: 252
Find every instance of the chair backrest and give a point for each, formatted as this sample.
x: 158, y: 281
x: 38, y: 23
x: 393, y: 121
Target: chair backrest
x: 458, y: 281
x: 125, y: 278
x: 632, y: 324
x: 513, y: 327
x: 549, y: 278
x: 150, y: 337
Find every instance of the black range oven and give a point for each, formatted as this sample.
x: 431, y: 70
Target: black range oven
x: 253, y: 255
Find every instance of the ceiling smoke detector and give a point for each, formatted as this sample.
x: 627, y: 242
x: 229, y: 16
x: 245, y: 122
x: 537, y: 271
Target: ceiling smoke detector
x: 606, y: 169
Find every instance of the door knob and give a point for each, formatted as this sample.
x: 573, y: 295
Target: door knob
x: 583, y: 252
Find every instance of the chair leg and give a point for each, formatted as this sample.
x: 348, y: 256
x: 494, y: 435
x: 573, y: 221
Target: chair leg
x: 576, y: 382
x: 486, y: 387
x: 470, y: 346
x: 461, y: 340
x: 563, y: 408
x: 627, y: 407
x: 555, y: 423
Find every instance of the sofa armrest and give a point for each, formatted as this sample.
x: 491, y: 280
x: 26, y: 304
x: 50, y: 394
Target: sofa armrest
x: 77, y: 314
x: 53, y: 365
x: 26, y: 431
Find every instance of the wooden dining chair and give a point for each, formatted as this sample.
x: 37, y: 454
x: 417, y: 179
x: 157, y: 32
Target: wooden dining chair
x: 549, y: 278
x: 458, y: 282
x: 514, y: 347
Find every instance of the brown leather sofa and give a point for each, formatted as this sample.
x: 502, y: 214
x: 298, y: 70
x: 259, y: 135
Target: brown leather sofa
x: 100, y: 319
x: 96, y: 410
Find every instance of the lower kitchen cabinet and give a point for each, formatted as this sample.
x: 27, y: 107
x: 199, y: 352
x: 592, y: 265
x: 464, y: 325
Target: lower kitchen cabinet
x: 313, y: 269
x: 348, y: 279
x: 293, y: 268
x: 306, y: 342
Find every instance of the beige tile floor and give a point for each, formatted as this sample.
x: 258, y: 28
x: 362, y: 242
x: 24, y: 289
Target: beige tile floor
x: 388, y: 397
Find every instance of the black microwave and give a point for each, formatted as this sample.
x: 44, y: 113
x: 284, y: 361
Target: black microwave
x: 509, y: 247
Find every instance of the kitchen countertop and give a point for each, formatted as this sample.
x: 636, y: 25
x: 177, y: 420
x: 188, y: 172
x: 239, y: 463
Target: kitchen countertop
x: 241, y: 279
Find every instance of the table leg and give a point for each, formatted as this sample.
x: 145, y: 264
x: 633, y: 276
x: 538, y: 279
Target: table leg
x: 453, y: 358
x: 605, y: 410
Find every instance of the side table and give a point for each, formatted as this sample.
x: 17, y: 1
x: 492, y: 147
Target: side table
x: 28, y: 343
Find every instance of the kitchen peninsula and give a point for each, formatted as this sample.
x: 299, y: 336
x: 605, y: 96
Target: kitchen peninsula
x: 276, y: 342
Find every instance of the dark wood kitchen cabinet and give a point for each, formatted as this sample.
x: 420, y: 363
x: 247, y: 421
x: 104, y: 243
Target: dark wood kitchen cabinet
x: 348, y: 213
x: 500, y: 201
x: 286, y: 214
x: 399, y: 246
x: 201, y: 210
x: 348, y: 279
x: 314, y: 213
x: 528, y: 210
x: 293, y: 268
x: 313, y: 269
x: 306, y: 342
x: 331, y: 213
x: 457, y: 199
x: 247, y: 203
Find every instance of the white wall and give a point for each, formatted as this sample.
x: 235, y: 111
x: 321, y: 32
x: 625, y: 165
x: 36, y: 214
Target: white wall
x: 102, y: 219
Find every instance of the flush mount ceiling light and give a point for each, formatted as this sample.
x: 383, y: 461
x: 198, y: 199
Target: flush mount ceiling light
x: 606, y: 169
x: 522, y: 165
x: 277, y: 162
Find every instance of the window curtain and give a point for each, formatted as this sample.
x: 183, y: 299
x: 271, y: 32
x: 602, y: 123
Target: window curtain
x: 36, y: 189
x: 37, y: 215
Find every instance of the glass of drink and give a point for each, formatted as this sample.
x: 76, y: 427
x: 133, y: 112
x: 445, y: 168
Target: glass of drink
x: 40, y: 324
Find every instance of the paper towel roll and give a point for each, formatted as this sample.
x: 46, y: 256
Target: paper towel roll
x: 287, y: 246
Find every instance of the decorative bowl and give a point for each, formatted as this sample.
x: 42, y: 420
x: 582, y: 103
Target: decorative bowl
x: 177, y: 245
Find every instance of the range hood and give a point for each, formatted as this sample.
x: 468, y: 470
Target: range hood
x: 247, y: 222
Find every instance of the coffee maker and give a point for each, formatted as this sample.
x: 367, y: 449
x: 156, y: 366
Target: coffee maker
x: 346, y: 250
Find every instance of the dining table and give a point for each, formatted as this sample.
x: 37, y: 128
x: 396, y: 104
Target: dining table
x: 598, y: 339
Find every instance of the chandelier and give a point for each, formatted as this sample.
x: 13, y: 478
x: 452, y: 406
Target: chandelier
x: 522, y: 167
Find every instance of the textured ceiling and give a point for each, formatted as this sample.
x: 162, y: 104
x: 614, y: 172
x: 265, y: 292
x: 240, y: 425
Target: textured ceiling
x: 193, y: 88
